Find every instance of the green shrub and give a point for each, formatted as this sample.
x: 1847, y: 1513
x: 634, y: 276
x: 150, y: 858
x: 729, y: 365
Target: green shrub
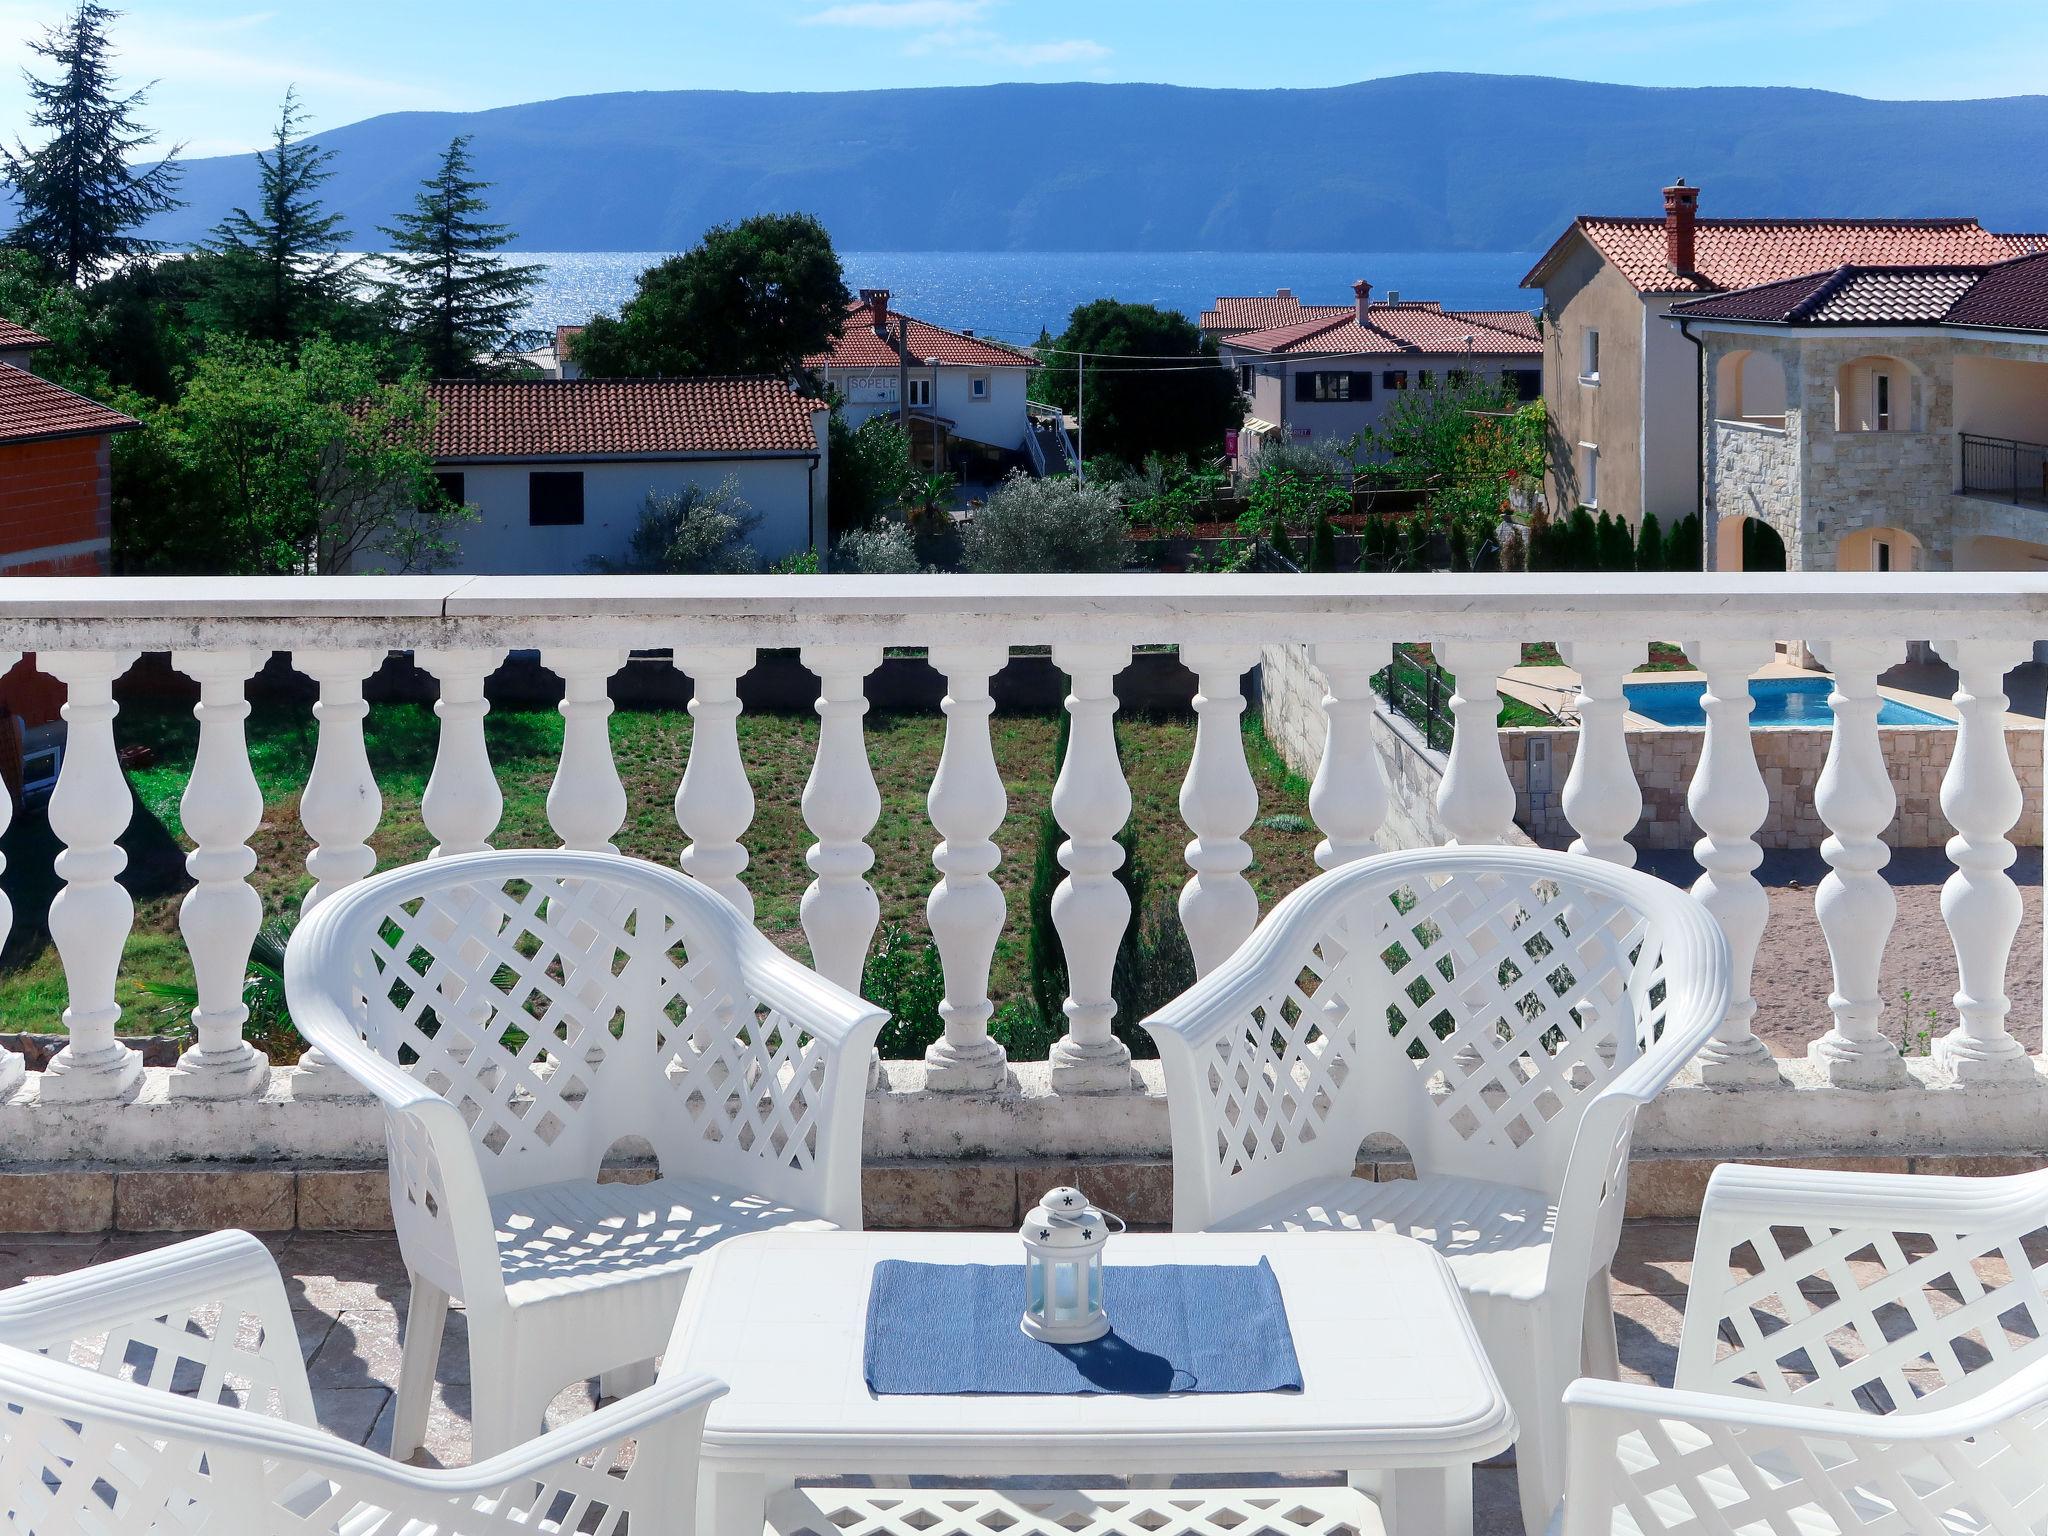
x: 1650, y: 544
x: 881, y: 549
x: 903, y: 974
x: 1056, y: 524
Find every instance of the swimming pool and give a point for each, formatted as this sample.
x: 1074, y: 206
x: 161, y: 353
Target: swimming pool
x: 1780, y: 702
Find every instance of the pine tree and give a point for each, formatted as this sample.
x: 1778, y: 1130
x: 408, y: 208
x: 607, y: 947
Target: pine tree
x: 78, y: 199
x: 285, y: 258
x: 458, y: 299
x: 1650, y: 544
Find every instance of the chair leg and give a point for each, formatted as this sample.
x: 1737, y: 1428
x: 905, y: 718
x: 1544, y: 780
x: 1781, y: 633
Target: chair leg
x: 1601, y: 1351
x: 1534, y: 1372
x: 426, y: 1318
x: 508, y: 1405
x: 624, y: 1380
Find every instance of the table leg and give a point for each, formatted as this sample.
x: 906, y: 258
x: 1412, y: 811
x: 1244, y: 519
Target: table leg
x: 1427, y: 1501
x: 730, y: 1501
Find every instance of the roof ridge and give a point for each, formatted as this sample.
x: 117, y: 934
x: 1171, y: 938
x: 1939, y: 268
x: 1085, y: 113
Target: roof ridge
x: 1796, y: 220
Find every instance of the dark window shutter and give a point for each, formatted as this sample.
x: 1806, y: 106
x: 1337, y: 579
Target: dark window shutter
x: 1304, y: 386
x: 554, y: 498
x: 1361, y: 386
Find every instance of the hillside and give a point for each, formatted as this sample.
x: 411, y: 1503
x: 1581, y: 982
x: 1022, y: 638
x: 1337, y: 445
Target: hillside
x: 1414, y: 162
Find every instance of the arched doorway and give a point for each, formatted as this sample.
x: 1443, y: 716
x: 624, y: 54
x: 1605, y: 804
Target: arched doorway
x: 1749, y: 387
x: 1879, y: 394
x: 1762, y: 548
x: 1879, y: 549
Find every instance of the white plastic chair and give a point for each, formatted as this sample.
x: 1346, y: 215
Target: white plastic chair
x: 518, y: 1015
x: 166, y: 1392
x: 1504, y: 1013
x: 1861, y: 1353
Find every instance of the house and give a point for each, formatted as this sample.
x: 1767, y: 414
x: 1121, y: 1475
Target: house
x: 961, y: 395
x: 1238, y: 313
x: 1878, y: 417
x: 55, y: 468
x: 1622, y: 385
x: 1331, y: 376
x: 559, y: 469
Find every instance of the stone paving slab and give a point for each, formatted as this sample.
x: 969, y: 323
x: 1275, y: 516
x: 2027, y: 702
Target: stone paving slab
x: 348, y: 1294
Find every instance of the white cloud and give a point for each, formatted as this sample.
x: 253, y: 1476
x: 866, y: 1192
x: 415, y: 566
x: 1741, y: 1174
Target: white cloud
x: 900, y: 15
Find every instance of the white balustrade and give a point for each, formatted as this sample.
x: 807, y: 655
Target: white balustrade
x: 340, y: 809
x: 714, y: 802
x: 1601, y: 798
x: 90, y: 919
x: 1219, y: 802
x: 841, y: 804
x: 1729, y: 800
x: 587, y: 801
x: 1980, y: 796
x: 221, y: 914
x: 12, y: 1069
x: 966, y: 909
x: 462, y: 802
x: 1348, y: 797
x: 1854, y: 903
x: 1476, y: 800
x: 1091, y: 909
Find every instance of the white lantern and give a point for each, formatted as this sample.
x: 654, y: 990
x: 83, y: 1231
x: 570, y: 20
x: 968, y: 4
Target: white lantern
x: 1063, y: 1240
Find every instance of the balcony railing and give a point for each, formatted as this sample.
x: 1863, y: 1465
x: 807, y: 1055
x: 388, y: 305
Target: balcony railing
x: 87, y: 633
x: 2007, y: 470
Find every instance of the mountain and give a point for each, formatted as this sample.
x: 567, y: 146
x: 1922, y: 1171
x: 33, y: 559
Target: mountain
x: 1412, y: 162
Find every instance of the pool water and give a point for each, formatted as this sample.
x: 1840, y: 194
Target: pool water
x: 1779, y: 702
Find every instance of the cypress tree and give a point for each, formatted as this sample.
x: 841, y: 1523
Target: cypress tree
x: 1322, y: 546
x: 1538, y: 543
x: 457, y: 296
x: 1617, y: 546
x: 77, y: 198
x: 1582, y: 552
x: 285, y: 255
x: 1461, y: 548
x: 1683, y: 549
x: 1650, y: 544
x: 1414, y: 545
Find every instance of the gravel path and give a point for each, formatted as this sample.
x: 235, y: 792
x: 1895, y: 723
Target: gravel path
x: 1792, y: 977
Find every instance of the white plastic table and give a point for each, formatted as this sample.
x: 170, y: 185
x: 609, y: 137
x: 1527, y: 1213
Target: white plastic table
x: 1397, y: 1393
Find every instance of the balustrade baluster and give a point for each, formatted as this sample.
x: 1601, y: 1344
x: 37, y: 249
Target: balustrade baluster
x: 12, y: 1068
x: 1476, y: 800
x: 1980, y: 796
x: 1090, y: 908
x: 1219, y: 802
x: 965, y: 910
x: 1601, y: 798
x: 1854, y: 903
x: 841, y: 805
x: 1348, y: 797
x: 220, y: 915
x: 714, y: 802
x: 461, y: 803
x: 340, y: 809
x: 90, y: 919
x: 1729, y: 800
x: 586, y: 801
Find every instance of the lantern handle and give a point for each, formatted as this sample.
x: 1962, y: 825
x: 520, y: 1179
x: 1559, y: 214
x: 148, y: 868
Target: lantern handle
x: 1109, y: 1216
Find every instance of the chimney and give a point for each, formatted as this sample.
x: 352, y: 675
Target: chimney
x: 1681, y: 209
x: 1284, y: 293
x: 877, y: 301
x: 1362, y: 292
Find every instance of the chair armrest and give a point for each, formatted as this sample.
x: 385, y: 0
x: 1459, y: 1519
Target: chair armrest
x: 843, y: 1022
x: 1832, y: 1252
x: 183, y: 1317
x: 1744, y: 1463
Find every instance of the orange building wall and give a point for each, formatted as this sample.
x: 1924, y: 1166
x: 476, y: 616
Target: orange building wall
x: 53, y: 494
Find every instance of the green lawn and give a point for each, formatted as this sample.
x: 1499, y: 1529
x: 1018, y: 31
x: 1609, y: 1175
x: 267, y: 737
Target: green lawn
x: 650, y: 747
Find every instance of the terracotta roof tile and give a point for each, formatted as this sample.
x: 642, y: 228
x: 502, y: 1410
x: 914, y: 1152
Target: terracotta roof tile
x: 1264, y: 311
x: 556, y: 418
x: 16, y: 338
x: 859, y: 347
x: 2010, y: 295
x: 1742, y: 253
x: 33, y: 408
x: 1395, y: 328
x: 2027, y: 243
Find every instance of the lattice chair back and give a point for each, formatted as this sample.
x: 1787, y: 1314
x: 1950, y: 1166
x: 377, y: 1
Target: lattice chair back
x: 558, y: 1003
x: 1476, y: 1003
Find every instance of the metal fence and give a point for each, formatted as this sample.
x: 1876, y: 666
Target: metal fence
x: 1416, y: 688
x: 1999, y: 466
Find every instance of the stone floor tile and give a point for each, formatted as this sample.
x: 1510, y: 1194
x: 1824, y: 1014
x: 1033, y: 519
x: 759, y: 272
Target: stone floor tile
x: 32, y: 1259
x: 364, y: 1348
x: 351, y: 1413
x: 1655, y: 1257
x: 335, y: 1273
x: 1646, y: 1327
x: 1496, y: 1502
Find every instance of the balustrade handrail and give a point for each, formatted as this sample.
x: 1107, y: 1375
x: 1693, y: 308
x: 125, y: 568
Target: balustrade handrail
x: 87, y: 631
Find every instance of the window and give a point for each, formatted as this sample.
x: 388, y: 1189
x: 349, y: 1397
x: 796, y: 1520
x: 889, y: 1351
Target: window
x: 1244, y: 379
x: 1589, y: 358
x: 921, y: 392
x: 1425, y: 378
x: 977, y: 387
x: 1528, y: 383
x: 1458, y: 378
x: 1332, y: 388
x: 554, y: 498
x: 1884, y: 554
x: 1394, y: 378
x: 1589, y: 474
x: 451, y: 484
x: 1881, y: 411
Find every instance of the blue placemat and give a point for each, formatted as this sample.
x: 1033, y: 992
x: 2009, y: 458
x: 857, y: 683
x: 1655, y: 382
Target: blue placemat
x: 952, y: 1329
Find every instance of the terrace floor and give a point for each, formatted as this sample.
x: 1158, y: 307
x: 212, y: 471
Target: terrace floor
x: 348, y: 1292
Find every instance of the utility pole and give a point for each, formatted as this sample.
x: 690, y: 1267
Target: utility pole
x: 1080, y: 421
x: 903, y: 374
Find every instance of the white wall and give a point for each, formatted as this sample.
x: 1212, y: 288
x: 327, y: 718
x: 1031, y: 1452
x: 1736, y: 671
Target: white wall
x: 2002, y: 397
x: 1670, y: 441
x: 503, y: 543
x: 998, y: 420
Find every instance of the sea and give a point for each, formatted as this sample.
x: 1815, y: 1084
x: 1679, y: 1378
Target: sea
x: 1013, y: 295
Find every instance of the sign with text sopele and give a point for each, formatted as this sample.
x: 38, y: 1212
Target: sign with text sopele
x: 871, y: 389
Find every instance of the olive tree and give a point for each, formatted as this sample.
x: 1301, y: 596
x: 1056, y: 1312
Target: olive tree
x: 1056, y: 524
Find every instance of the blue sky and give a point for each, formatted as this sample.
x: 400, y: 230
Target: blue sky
x: 222, y: 65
